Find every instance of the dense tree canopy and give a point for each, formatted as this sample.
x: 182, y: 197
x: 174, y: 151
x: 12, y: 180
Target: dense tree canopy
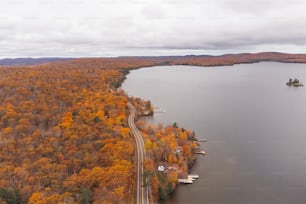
x: 64, y: 136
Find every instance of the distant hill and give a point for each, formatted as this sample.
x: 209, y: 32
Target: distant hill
x: 139, y: 61
x: 28, y: 61
x: 196, y: 60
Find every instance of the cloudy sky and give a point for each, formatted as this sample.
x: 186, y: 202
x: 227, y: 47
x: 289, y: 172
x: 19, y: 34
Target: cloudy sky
x: 79, y: 28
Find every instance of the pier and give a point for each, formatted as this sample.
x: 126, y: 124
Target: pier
x: 201, y: 152
x: 202, y: 140
x: 189, y: 180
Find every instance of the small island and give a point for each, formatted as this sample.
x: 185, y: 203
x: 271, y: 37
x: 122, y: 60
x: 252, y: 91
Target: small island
x: 294, y: 82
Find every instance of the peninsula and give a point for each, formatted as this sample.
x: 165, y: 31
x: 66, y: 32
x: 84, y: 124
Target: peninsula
x: 65, y: 135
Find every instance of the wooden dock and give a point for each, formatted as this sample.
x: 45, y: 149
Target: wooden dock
x: 189, y: 180
x: 194, y: 176
x: 202, y: 140
x: 201, y: 152
x: 185, y: 181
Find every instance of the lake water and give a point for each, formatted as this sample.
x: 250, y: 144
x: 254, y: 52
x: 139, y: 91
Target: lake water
x: 254, y: 123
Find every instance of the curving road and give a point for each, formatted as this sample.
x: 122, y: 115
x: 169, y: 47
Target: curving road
x: 142, y: 192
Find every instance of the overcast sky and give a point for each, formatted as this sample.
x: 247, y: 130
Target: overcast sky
x: 79, y: 28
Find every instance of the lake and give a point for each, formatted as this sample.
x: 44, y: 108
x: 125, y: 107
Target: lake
x: 254, y: 123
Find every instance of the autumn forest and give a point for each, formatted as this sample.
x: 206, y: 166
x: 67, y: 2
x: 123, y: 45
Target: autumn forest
x: 64, y: 135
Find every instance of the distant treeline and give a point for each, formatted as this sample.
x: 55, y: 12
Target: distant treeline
x: 28, y: 61
x: 198, y: 60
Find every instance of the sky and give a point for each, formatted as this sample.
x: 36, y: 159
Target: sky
x: 93, y: 28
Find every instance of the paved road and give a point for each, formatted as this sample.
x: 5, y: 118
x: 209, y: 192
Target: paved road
x: 142, y: 192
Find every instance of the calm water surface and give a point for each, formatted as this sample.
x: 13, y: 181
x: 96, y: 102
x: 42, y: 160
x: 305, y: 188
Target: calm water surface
x: 254, y: 123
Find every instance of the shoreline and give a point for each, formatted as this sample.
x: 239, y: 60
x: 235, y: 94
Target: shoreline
x: 194, y: 153
x: 169, y: 170
x: 126, y: 71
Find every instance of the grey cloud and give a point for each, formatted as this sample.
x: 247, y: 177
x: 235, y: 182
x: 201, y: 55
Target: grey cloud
x: 153, y: 11
x: 103, y: 27
x: 253, y: 7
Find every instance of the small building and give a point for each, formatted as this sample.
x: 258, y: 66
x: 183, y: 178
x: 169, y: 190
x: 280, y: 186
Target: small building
x: 161, y: 168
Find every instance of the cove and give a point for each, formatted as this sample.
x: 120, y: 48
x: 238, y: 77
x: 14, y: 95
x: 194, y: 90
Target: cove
x: 254, y: 123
